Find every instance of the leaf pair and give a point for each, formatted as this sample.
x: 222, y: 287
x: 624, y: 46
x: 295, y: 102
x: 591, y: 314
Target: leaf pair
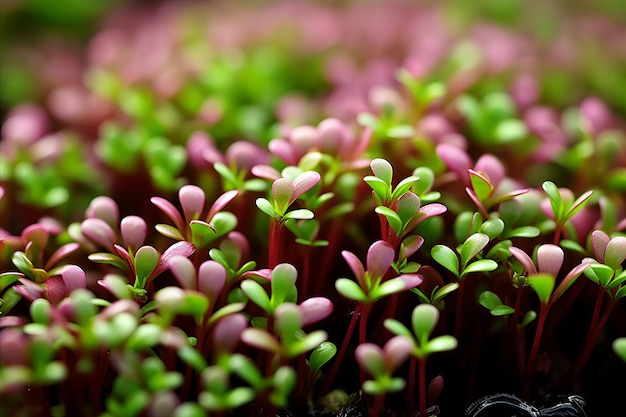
x: 460, y: 264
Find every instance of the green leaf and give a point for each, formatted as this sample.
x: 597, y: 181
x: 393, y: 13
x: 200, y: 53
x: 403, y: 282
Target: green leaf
x: 109, y: 259
x: 489, y: 299
x: 192, y: 357
x: 492, y: 228
x: 446, y: 257
x: 299, y: 214
x: 169, y: 231
x: 189, y: 409
x: 323, y: 353
x: 619, y: 347
x: 283, y: 284
x: 481, y: 185
x: 307, y: 343
x: 266, y: 207
x: 482, y: 265
x: 472, y: 247
x: 510, y: 130
x: 387, y: 288
x: 403, y: 186
x: 381, y: 189
x: 202, y: 233
x: 350, y: 290
x: 441, y: 344
x: 524, y: 231
x: 397, y: 328
x: 528, y: 318
x: 424, y: 319
x: 543, y: 284
x: 502, y: 310
x: 239, y: 396
x: 21, y: 261
x: 392, y: 218
x: 555, y: 198
x: 40, y: 311
x: 246, y: 369
x: 256, y: 293
x: 578, y: 204
x: 146, y: 260
x: 600, y: 274
x: 382, y: 169
x: 146, y: 335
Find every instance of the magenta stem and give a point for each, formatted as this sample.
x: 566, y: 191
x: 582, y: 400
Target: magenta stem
x: 342, y: 350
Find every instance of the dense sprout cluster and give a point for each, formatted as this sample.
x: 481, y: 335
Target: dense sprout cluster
x: 312, y: 208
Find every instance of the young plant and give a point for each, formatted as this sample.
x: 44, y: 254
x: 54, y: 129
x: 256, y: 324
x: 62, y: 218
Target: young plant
x: 372, y: 284
x: 561, y: 207
x: 423, y: 321
x: 381, y: 364
x: 542, y: 279
x: 285, y: 192
x: 460, y: 264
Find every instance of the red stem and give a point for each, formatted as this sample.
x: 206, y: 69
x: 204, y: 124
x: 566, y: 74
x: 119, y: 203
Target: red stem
x: 342, y: 350
x: 378, y: 405
x: 422, y: 385
x: 595, y: 329
x: 411, y: 387
x: 275, y: 243
x: 459, y: 308
x: 541, y: 321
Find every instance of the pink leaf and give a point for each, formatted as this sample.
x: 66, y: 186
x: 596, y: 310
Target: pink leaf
x: 265, y: 274
x: 550, y: 259
x: 284, y: 151
x: 227, y: 332
x: 29, y: 289
x: 265, y: 171
x: 134, y: 231
x: 456, y: 159
x: 104, y: 208
x: 379, y: 258
x: 355, y: 265
x: 211, y: 279
x: 491, y: 166
x: 170, y: 211
x: 397, y: 350
x: 182, y: 248
x: 100, y: 232
x: 184, y: 271
x: 411, y: 280
x: 56, y: 290
x: 220, y: 203
x: 524, y: 259
x: 304, y: 182
x: 73, y: 278
x: 191, y: 199
x: 61, y: 253
x: 314, y: 309
x: 599, y: 241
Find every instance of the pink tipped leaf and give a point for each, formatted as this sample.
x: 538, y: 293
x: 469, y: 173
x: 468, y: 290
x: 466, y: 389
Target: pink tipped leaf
x: 379, y: 258
x: 192, y: 200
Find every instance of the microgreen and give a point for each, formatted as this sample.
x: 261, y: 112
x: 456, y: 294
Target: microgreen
x: 183, y: 193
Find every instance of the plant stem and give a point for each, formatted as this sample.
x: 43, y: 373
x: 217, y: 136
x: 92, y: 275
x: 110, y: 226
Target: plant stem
x: 378, y: 405
x: 342, y: 350
x: 411, y: 385
x: 275, y: 243
x: 421, y: 369
x: 595, y: 329
x: 541, y: 321
x: 306, y: 266
x: 459, y: 308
